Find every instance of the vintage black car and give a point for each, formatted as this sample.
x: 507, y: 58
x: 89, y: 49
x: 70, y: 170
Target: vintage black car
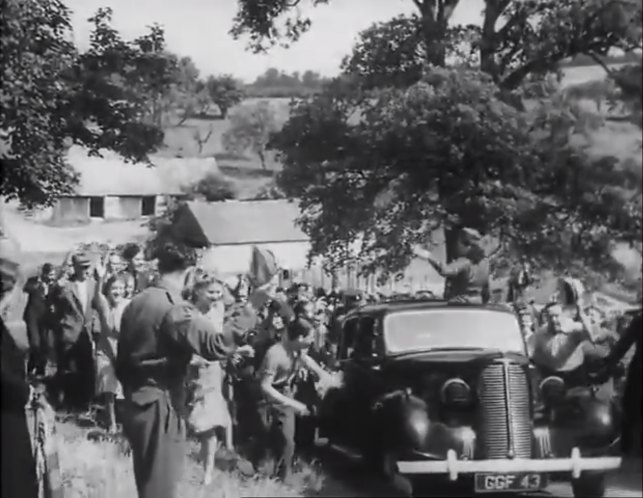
x: 441, y: 391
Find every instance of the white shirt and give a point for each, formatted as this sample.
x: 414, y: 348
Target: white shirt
x: 81, y: 290
x: 560, y: 351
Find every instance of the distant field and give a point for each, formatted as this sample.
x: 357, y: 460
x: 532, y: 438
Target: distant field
x: 180, y: 141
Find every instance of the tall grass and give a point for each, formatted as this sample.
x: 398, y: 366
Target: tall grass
x: 102, y: 469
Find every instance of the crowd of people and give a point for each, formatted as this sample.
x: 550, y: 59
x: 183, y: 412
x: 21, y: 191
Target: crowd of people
x: 170, y: 349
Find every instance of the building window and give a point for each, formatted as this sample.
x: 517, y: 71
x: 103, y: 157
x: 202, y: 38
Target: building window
x: 148, y: 205
x: 96, y: 207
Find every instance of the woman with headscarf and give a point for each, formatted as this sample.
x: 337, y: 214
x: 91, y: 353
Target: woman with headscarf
x: 467, y: 276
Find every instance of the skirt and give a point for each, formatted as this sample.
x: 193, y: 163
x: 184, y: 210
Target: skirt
x: 106, y: 381
x: 208, y: 407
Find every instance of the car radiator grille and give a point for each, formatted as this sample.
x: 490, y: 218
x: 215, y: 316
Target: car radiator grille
x: 504, y: 418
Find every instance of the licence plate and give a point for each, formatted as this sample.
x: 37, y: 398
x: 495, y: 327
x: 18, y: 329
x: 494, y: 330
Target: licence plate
x: 521, y: 481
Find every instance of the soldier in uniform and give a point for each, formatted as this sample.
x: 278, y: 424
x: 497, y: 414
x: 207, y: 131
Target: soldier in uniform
x: 467, y: 276
x: 159, y: 334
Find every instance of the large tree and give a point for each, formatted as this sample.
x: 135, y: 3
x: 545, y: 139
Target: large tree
x: 225, y: 91
x: 250, y: 129
x: 517, y: 38
x: 386, y: 171
x: 53, y: 96
x: 398, y: 147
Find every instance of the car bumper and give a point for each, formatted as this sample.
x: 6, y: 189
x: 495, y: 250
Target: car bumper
x: 453, y: 467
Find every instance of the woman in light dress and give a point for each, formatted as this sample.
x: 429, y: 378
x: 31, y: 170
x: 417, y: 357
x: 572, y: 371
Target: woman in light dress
x: 110, y: 308
x: 209, y: 408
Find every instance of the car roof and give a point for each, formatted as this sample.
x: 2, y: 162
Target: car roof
x: 387, y: 307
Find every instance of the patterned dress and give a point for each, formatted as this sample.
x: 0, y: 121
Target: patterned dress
x: 208, y: 407
x: 106, y: 381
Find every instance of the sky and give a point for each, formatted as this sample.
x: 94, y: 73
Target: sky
x: 199, y: 29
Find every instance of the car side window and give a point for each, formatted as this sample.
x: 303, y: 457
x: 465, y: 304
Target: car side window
x: 368, y: 343
x: 347, y: 344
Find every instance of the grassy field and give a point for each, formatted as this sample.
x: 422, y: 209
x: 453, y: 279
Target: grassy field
x: 620, y: 139
x: 246, y: 171
x: 103, y: 470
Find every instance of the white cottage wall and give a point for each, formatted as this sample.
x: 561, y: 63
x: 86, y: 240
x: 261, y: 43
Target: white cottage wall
x: 113, y: 208
x: 235, y: 259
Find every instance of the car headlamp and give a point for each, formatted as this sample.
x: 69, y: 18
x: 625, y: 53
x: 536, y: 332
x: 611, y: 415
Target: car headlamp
x: 456, y: 393
x: 553, y: 390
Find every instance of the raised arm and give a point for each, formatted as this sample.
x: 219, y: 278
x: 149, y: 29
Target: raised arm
x: 555, y: 348
x: 189, y: 328
x: 448, y: 270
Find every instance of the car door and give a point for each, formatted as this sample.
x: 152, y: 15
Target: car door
x: 340, y: 402
x: 368, y: 356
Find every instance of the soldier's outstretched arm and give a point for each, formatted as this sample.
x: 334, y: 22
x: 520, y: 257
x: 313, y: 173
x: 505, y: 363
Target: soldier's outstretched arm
x: 189, y: 328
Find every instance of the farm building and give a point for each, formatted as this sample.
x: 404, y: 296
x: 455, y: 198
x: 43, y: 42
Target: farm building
x: 228, y: 230
x: 111, y: 189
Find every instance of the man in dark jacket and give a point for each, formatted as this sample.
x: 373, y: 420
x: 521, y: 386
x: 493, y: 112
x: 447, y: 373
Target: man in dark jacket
x: 75, y: 324
x: 467, y: 276
x: 159, y: 334
x: 37, y: 318
x: 18, y: 465
x: 631, y: 432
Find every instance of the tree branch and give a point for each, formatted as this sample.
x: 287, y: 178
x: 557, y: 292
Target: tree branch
x: 601, y: 63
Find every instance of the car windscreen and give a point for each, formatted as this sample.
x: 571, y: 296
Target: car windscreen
x: 457, y: 328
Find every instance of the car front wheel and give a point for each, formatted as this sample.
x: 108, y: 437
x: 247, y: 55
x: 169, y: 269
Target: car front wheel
x: 589, y: 485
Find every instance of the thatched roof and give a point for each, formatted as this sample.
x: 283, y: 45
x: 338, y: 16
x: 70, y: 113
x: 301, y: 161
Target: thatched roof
x: 111, y: 175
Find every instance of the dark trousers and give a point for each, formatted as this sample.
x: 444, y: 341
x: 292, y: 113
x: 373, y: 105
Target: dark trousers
x: 156, y: 433
x: 40, y: 348
x: 631, y: 432
x: 76, y: 372
x: 305, y: 426
x: 282, y: 439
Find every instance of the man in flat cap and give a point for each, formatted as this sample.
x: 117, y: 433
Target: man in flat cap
x: 74, y: 323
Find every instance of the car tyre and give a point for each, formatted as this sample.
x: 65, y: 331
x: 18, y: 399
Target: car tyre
x: 383, y: 463
x: 589, y: 485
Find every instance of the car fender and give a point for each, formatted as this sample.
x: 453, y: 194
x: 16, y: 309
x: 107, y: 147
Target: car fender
x: 401, y: 420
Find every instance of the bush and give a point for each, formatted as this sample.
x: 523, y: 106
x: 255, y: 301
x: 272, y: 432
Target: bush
x: 215, y: 187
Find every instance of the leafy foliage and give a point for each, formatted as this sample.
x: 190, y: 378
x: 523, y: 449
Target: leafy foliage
x: 270, y: 191
x: 52, y: 96
x: 250, y: 129
x: 628, y: 80
x: 268, y: 22
x: 274, y: 83
x: 162, y: 232
x: 225, y: 92
x: 214, y: 187
x: 189, y: 96
x: 381, y: 173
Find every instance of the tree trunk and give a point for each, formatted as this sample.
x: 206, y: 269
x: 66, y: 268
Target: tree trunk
x: 224, y: 111
x: 262, y: 158
x: 493, y: 10
x: 435, y: 20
